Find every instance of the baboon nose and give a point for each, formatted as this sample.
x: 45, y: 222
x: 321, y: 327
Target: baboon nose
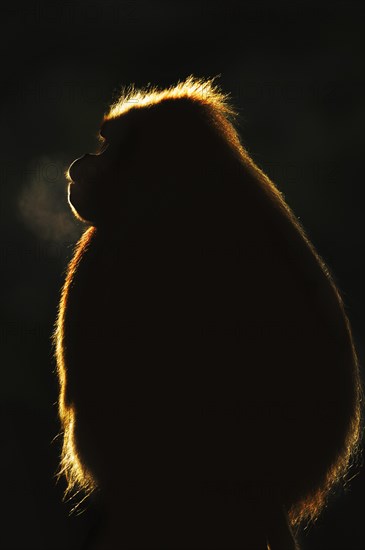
x: 81, y: 168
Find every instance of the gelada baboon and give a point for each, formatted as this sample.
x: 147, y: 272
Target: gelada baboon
x: 209, y: 385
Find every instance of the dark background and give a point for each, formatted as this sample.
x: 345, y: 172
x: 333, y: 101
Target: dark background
x: 295, y: 71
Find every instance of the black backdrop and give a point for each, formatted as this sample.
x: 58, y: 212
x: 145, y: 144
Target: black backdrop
x: 295, y: 71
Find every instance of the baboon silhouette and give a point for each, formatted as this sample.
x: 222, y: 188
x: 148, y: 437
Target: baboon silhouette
x: 209, y: 384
